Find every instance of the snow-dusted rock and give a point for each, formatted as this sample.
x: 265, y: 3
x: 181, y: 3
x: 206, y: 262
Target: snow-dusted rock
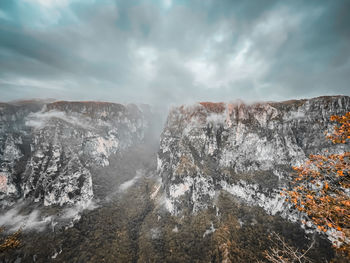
x: 246, y: 150
x: 47, y: 150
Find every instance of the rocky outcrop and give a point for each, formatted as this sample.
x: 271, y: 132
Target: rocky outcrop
x: 247, y: 150
x: 52, y: 152
x: 48, y: 150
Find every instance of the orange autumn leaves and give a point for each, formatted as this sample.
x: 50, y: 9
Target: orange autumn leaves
x: 341, y: 133
x: 321, y: 188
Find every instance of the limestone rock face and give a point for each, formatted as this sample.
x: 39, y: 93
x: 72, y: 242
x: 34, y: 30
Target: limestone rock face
x: 47, y: 150
x: 247, y: 150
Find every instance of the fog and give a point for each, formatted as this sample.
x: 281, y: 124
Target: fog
x: 42, y: 118
x: 126, y: 185
x: 14, y: 220
x: 36, y: 219
x: 175, y: 178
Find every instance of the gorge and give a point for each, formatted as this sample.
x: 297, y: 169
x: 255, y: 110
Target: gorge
x: 103, y: 186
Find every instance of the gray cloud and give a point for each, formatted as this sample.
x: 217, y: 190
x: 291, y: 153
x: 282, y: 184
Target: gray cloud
x: 171, y: 52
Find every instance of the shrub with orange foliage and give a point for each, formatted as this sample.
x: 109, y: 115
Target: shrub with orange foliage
x: 321, y: 188
x: 341, y: 133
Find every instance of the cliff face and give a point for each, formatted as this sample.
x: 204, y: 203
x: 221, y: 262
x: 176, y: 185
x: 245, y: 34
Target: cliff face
x: 53, y: 152
x: 246, y: 150
x: 230, y: 158
x: 47, y: 151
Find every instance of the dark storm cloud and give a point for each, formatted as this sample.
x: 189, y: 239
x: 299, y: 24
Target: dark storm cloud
x: 170, y: 52
x: 316, y: 56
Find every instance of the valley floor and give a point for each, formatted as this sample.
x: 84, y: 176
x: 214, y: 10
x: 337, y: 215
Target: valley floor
x: 132, y: 227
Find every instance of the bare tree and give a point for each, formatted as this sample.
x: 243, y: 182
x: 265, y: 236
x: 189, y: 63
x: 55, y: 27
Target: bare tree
x: 281, y: 252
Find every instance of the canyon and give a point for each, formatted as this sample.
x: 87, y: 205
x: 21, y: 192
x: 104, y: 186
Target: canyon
x: 135, y: 193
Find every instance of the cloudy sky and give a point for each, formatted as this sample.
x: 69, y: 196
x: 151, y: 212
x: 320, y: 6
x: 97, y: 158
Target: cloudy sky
x: 171, y: 52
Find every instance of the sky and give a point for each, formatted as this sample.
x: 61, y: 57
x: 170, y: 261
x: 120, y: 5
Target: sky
x: 168, y: 52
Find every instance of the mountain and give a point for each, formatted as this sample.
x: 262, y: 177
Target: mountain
x: 48, y: 151
x: 247, y: 150
x: 206, y: 190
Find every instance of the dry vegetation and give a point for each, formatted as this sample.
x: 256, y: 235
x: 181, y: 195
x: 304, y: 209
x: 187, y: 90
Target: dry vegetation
x: 10, y: 241
x: 321, y: 188
x: 282, y: 252
x: 217, y: 107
